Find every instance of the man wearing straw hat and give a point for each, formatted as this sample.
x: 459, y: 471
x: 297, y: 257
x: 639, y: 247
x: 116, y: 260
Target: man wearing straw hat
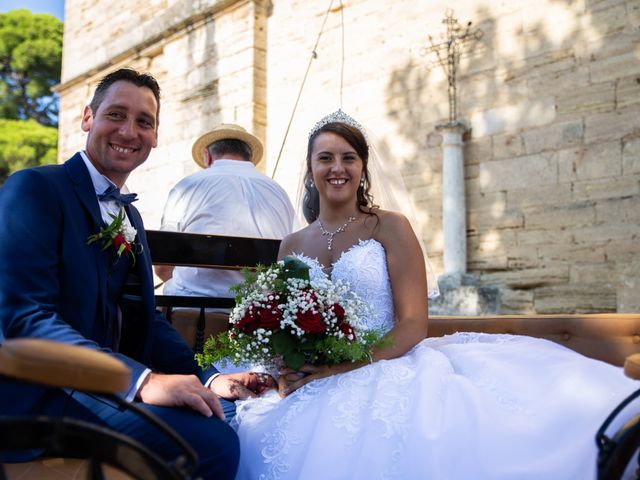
x: 228, y: 197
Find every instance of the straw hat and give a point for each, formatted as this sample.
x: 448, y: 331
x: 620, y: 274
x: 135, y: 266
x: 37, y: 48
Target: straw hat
x: 226, y: 131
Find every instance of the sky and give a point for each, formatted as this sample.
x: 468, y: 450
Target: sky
x: 52, y: 7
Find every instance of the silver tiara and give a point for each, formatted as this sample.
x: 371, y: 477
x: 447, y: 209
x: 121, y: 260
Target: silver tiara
x: 337, y: 117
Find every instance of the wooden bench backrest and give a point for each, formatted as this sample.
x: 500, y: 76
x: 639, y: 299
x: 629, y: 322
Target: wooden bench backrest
x: 204, y: 251
x: 609, y: 337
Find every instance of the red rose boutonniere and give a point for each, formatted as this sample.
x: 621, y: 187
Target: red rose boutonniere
x: 119, y: 234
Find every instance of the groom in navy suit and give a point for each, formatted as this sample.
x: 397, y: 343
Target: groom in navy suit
x: 55, y: 285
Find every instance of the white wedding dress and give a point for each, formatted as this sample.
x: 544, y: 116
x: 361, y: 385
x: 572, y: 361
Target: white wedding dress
x: 464, y: 406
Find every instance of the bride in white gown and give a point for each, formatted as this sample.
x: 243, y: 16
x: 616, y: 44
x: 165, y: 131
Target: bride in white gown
x: 458, y: 407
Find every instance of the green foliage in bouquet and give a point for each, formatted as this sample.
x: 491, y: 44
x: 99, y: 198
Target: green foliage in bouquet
x: 284, y: 319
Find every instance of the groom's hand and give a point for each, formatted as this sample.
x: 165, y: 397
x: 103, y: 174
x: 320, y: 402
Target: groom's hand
x: 241, y: 385
x: 180, y: 391
x: 290, y: 380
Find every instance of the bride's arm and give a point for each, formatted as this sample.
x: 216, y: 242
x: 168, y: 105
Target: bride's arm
x: 406, y: 265
x: 405, y: 262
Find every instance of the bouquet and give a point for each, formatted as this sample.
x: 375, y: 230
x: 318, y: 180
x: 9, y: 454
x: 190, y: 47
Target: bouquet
x: 282, y: 318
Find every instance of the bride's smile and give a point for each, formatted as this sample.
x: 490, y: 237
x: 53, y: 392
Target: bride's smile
x: 336, y: 168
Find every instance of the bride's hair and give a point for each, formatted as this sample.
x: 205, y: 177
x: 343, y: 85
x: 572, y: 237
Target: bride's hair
x: 354, y: 137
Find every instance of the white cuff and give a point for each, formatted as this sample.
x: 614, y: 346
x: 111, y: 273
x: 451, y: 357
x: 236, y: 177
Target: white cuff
x: 139, y: 383
x: 211, y: 379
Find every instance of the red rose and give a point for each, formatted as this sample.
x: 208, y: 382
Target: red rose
x: 348, y: 330
x: 249, y: 322
x: 120, y: 240
x: 338, y: 311
x: 310, y: 321
x: 270, y: 315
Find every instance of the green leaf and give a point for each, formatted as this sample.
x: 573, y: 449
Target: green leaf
x: 25, y: 143
x: 294, y: 360
x: 283, y: 344
x: 295, y: 268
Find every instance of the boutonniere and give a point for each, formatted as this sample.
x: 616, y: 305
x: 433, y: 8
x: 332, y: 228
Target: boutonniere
x: 119, y: 234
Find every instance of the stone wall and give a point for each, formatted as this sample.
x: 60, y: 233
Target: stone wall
x: 210, y: 63
x: 551, y: 92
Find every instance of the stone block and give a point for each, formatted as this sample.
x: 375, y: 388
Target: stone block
x: 544, y: 236
x: 574, y: 299
x: 522, y: 172
x: 471, y: 171
x: 623, y: 250
x: 543, y: 275
x: 486, y: 262
x: 477, y: 150
x: 612, y: 126
x: 593, y: 273
x: 600, y: 160
x: 571, y: 215
x: 604, y: 188
x: 466, y: 300
x: 559, y: 82
x: 522, y: 257
x: 633, y: 14
x: 570, y: 253
x: 628, y: 91
x: 606, y: 233
x: 434, y: 139
x: 492, y: 242
x: 507, y: 146
x: 598, y: 97
x: 631, y: 156
x: 483, y: 220
x: 494, y: 202
x: 609, y: 15
x: 516, y: 302
x: 610, y: 68
x: 596, y: 6
x: 553, y: 137
x: 543, y: 195
x: 619, y: 211
x: 568, y: 159
x: 510, y: 118
x: 628, y: 285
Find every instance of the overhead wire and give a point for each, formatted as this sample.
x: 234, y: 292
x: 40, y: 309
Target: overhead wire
x: 314, y: 55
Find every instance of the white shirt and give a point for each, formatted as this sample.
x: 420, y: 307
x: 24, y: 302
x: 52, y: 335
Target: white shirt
x: 108, y: 208
x: 229, y: 198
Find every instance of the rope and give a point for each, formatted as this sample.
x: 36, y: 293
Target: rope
x: 342, y: 57
x: 314, y: 55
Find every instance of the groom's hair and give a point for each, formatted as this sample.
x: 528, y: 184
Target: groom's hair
x: 126, y: 75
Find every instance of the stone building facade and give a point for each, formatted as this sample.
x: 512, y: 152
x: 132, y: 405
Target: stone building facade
x: 551, y: 92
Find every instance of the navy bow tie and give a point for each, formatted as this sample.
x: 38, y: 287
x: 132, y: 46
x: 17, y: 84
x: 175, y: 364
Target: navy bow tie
x: 113, y: 193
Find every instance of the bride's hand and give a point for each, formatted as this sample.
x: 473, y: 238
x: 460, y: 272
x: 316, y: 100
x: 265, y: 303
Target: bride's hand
x: 290, y: 380
x: 241, y: 385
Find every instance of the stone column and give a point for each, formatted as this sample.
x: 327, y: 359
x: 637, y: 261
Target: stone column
x: 454, y: 225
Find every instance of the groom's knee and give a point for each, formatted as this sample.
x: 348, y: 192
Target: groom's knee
x: 218, y: 450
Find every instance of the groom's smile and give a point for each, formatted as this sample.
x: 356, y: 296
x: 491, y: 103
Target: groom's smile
x: 122, y: 131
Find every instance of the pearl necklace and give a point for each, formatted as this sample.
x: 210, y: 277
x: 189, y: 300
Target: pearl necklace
x: 329, y: 234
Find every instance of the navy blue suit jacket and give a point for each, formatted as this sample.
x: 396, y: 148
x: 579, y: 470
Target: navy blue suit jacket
x: 53, y: 285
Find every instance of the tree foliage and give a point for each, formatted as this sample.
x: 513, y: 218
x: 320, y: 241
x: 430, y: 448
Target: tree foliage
x: 30, y: 64
x: 25, y: 143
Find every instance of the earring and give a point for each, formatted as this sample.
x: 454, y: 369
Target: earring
x: 362, y: 182
x: 311, y: 184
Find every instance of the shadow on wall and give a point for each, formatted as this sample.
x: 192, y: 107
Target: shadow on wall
x: 551, y: 163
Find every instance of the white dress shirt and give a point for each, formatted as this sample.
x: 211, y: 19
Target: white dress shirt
x: 107, y: 209
x: 229, y: 198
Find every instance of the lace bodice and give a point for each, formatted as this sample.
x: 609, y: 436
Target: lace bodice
x: 364, y: 267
